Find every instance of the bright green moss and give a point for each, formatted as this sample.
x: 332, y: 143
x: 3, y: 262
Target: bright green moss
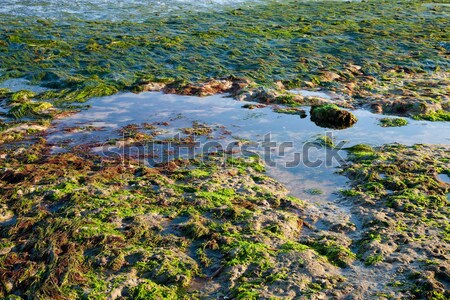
x: 294, y: 246
x: 30, y: 110
x: 440, y: 115
x: 151, y: 290
x: 217, y: 198
x: 245, y: 252
x: 337, y: 254
x: 373, y: 259
x: 393, y: 122
x: 22, y: 96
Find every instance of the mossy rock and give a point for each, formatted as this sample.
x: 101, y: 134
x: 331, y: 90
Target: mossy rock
x: 30, y: 110
x: 4, y: 92
x: 324, y: 141
x: 393, y: 122
x: 151, y: 290
x: 439, y: 115
x: 291, y: 111
x: 331, y: 116
x: 167, y: 267
x: 22, y: 96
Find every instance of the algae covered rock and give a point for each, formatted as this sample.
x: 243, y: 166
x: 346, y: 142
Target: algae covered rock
x: 215, y: 86
x: 393, y: 122
x: 290, y: 111
x: 331, y: 116
x: 168, y: 266
x: 22, y: 96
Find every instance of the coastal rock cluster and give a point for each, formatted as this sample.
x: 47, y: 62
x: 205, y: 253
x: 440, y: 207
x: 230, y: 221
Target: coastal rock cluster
x: 80, y: 225
x: 213, y: 226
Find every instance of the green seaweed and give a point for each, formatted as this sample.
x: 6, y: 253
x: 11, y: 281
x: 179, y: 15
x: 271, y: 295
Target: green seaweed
x: 325, y: 141
x: 21, y: 96
x: 439, y: 115
x: 336, y: 253
x: 393, y: 122
x: 410, y: 191
x: 289, y: 41
x: 30, y: 109
x: 150, y: 290
x: 373, y: 259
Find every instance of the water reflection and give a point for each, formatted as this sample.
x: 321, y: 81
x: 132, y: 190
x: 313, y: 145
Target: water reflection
x: 112, y: 113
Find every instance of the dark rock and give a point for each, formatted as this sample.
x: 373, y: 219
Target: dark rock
x: 404, y: 107
x: 253, y: 106
x: 331, y: 116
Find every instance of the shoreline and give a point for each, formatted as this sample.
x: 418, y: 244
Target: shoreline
x: 154, y: 217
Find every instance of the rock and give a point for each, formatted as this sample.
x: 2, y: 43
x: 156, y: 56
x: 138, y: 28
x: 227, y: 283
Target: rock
x: 376, y: 108
x: 280, y: 85
x: 446, y: 105
x: 153, y: 87
x: 309, y: 84
x: 404, y: 107
x: 25, y: 128
x: 355, y: 69
x: 5, y: 214
x: 235, y: 273
x: 9, y: 285
x: 331, y: 116
x: 216, y: 86
x: 329, y: 76
x: 260, y: 94
x: 171, y: 267
x: 290, y: 111
x: 253, y: 106
x: 319, y: 296
x: 343, y: 227
x: 350, y: 86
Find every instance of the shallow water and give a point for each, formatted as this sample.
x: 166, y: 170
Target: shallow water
x: 111, y: 113
x: 18, y: 84
x: 131, y: 10
x: 444, y: 178
x: 119, y: 10
x: 122, y: 109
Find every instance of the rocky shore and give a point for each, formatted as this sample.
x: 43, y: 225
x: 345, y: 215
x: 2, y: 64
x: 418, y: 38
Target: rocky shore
x: 75, y: 224
x: 78, y: 225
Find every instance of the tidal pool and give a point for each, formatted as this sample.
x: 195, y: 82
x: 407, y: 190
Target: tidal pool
x: 444, y: 178
x: 301, y: 164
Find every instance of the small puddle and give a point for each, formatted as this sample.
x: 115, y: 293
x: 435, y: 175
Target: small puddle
x: 7, y: 218
x: 444, y: 178
x: 18, y: 84
x: 432, y: 5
